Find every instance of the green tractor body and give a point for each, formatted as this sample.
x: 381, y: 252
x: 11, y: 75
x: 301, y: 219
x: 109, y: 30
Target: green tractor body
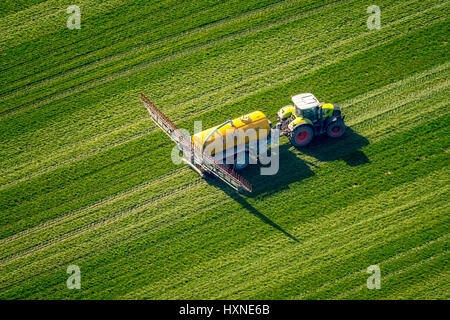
x: 308, y: 118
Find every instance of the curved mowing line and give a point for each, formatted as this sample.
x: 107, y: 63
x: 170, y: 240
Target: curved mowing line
x: 103, y: 246
x: 356, y: 273
x: 393, y: 274
x: 337, y: 230
x: 85, y: 210
x: 164, y: 41
x: 138, y: 135
x: 239, y: 274
x: 118, y: 195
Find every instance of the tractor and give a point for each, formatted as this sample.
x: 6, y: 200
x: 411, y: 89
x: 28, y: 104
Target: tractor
x: 308, y: 118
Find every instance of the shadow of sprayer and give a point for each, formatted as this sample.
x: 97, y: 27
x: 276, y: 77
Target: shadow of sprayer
x: 347, y: 148
x: 294, y: 169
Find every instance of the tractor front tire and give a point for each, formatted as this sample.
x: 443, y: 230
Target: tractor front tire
x: 336, y: 129
x: 301, y: 136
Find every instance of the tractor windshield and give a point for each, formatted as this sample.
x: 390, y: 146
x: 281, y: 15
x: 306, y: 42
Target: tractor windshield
x: 308, y: 113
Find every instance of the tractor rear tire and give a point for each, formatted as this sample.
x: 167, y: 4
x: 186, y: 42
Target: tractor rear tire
x: 336, y: 129
x: 301, y: 136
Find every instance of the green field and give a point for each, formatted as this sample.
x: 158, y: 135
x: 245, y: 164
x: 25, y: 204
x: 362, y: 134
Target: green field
x: 87, y: 179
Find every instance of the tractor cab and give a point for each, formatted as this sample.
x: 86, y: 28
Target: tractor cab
x: 306, y: 106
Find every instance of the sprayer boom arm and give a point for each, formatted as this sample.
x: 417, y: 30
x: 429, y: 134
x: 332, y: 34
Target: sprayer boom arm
x: 193, y: 155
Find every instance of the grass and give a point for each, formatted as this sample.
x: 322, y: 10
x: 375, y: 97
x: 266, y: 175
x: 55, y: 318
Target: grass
x: 86, y: 178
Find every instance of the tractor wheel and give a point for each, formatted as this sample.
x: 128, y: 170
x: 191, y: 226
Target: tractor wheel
x: 301, y: 136
x: 242, y: 166
x: 336, y: 129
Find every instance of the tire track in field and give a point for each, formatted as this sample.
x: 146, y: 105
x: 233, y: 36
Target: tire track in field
x: 401, y: 103
x: 99, y: 223
x: 232, y: 37
x: 396, y: 85
x: 123, y: 214
x: 289, y: 265
x: 434, y: 287
x: 141, y: 134
x: 80, y: 212
x: 251, y: 79
x: 336, y: 231
x: 250, y: 32
x: 92, y: 53
x: 124, y: 108
x: 409, y: 119
x: 125, y: 128
x: 345, y: 105
x: 133, y: 18
x: 160, y: 42
x: 47, y: 16
x: 129, y: 257
x: 362, y: 271
x: 213, y: 281
x: 239, y: 253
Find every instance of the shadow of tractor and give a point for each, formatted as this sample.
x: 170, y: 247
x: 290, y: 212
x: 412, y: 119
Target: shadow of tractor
x: 242, y: 200
x: 347, y: 148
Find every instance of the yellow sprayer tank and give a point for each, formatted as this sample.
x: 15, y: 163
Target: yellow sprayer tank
x: 256, y: 120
